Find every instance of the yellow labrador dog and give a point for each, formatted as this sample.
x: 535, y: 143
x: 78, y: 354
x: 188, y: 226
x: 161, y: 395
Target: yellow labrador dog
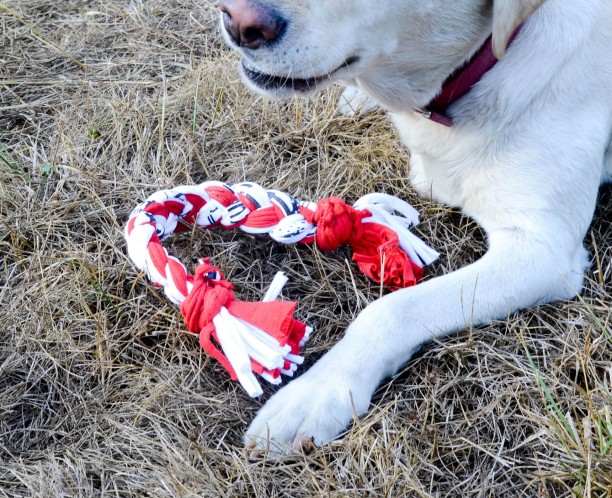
x: 506, y: 107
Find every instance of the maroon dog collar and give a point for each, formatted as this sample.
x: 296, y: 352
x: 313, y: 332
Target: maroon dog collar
x: 461, y: 81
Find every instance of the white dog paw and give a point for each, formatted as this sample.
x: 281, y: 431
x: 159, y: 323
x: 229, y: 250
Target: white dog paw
x: 312, y: 410
x: 353, y: 102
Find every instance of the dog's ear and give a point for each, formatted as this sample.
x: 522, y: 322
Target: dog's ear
x: 507, y: 15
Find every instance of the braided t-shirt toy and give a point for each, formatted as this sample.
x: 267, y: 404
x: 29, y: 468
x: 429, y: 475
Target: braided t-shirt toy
x: 263, y: 337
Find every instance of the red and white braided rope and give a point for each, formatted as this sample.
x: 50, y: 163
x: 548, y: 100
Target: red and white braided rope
x: 256, y: 210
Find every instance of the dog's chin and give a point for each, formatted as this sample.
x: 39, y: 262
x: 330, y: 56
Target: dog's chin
x: 284, y: 86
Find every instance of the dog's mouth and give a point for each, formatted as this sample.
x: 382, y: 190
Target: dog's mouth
x: 286, y: 84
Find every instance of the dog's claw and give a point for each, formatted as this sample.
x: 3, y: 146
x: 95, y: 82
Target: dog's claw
x: 304, y: 445
x: 252, y: 453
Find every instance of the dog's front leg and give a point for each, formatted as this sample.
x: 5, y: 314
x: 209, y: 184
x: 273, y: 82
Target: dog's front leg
x: 516, y: 272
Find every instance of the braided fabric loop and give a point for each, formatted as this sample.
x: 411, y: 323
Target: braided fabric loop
x: 263, y: 337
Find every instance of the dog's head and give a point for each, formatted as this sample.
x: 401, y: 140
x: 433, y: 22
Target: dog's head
x: 399, y: 51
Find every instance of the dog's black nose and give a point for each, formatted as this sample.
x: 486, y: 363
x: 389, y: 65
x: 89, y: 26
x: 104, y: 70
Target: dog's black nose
x: 251, y: 24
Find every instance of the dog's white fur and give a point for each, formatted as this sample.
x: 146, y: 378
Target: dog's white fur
x: 530, y: 146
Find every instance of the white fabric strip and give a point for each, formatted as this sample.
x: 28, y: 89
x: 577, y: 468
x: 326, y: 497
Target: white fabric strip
x: 276, y: 287
x: 235, y: 351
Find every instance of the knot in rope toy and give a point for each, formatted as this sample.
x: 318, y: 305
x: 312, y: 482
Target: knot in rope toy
x: 263, y: 337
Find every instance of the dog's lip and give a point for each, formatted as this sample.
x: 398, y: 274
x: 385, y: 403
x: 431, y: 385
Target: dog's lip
x: 272, y: 82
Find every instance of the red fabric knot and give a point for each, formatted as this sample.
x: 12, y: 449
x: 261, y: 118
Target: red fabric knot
x: 210, y: 292
x: 337, y: 223
x: 379, y: 256
x: 376, y: 248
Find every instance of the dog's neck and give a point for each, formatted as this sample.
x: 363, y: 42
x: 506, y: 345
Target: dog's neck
x: 461, y: 81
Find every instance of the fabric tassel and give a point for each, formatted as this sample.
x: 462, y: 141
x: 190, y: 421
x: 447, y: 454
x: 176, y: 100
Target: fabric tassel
x: 256, y: 337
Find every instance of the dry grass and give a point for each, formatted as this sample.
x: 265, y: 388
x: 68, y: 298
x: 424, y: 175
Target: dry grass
x: 102, y: 103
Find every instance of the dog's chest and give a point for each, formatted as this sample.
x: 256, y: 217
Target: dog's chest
x: 441, y: 164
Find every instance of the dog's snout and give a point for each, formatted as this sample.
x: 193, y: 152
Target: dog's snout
x: 251, y: 24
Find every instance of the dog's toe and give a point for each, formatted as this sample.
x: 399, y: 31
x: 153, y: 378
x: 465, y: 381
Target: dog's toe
x: 353, y: 102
